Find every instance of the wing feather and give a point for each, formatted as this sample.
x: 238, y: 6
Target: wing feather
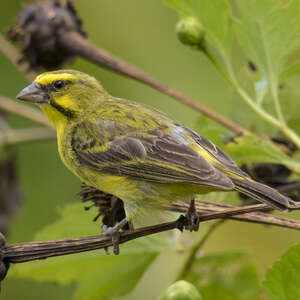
x: 216, y: 152
x: 152, y: 156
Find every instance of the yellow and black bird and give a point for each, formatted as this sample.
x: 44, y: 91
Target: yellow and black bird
x: 133, y: 151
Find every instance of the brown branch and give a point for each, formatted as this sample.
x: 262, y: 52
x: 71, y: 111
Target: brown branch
x: 79, y: 45
x: 24, y: 252
x: 15, y: 136
x: 213, y: 209
x: 73, y: 43
x: 23, y: 110
x: 10, y: 52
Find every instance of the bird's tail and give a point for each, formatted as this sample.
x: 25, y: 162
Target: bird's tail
x: 265, y: 194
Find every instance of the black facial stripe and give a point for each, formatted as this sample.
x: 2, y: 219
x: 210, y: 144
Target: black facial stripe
x: 67, y: 112
x: 49, y: 89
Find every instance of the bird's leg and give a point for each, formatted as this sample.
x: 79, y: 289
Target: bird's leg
x: 114, y: 232
x: 192, y: 218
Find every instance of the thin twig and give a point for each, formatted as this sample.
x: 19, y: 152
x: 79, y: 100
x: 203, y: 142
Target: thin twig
x: 213, y: 209
x: 10, y: 52
x: 288, y: 187
x: 78, y: 45
x: 23, y: 110
x: 195, y: 248
x: 24, y: 252
x: 15, y: 136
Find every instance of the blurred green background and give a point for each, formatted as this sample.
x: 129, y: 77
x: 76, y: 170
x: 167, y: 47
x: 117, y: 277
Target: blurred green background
x: 140, y: 32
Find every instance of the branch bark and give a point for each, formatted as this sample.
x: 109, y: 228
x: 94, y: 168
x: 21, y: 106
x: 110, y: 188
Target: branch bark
x: 80, y: 46
x: 24, y: 111
x: 23, y: 252
x: 10, y: 52
x: 16, y: 136
x: 251, y: 213
x: 77, y: 45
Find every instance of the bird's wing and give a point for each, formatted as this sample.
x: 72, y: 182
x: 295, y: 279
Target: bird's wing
x: 226, y: 163
x: 151, y: 156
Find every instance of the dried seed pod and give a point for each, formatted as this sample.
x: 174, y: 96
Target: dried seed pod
x: 190, y: 32
x: 275, y: 175
x: 38, y: 29
x: 110, y: 207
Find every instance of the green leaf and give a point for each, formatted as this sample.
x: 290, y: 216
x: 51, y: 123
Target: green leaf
x: 295, y: 124
x: 75, y: 222
x: 220, y: 259
x: 251, y: 149
x: 225, y: 275
x: 282, y: 279
x: 268, y: 32
x: 215, y: 16
x: 292, y: 70
x: 215, y: 291
x: 96, y: 274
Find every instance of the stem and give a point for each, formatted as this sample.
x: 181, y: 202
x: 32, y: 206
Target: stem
x: 195, y: 248
x: 266, y: 116
x: 15, y: 136
x: 10, y: 52
x: 78, y: 45
x: 291, y: 135
x: 247, y: 216
x: 217, y: 66
x: 274, y: 91
x: 23, y: 110
x: 280, y: 124
x: 23, y: 252
x: 234, y: 83
x: 258, y: 109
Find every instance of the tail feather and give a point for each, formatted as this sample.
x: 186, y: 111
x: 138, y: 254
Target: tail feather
x: 264, y: 193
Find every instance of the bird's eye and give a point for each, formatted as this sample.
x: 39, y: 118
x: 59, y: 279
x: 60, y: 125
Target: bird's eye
x: 58, y: 84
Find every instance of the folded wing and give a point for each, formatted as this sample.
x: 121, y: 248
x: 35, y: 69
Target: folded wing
x: 152, y: 156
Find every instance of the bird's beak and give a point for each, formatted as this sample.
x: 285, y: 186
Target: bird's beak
x: 33, y: 93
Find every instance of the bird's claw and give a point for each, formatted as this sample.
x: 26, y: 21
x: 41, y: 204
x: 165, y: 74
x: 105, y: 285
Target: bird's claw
x: 192, y: 218
x: 114, y: 232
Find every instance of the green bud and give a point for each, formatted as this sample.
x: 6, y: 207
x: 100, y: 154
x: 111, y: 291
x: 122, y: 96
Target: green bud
x: 181, y: 290
x: 190, y: 32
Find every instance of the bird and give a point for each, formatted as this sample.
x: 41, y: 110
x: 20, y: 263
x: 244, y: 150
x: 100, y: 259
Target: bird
x: 134, y: 151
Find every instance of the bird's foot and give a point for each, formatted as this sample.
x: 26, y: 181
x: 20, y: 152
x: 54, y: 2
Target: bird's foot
x: 192, y: 218
x: 114, y: 232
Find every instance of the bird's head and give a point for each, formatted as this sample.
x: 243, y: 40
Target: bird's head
x: 64, y: 94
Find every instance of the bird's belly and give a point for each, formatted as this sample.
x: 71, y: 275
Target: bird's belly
x: 139, y: 196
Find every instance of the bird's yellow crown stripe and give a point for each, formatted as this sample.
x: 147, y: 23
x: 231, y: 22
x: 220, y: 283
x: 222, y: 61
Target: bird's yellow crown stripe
x: 48, y: 78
